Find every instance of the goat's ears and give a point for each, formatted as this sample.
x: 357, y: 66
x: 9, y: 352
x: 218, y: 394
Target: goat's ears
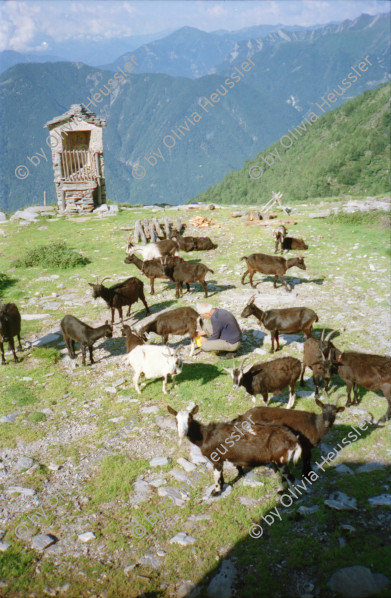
x: 251, y: 300
x: 228, y: 370
x: 172, y: 411
x: 319, y: 403
x: 194, y: 410
x: 91, y: 284
x: 340, y: 409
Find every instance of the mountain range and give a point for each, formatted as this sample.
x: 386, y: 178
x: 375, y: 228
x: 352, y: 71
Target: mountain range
x: 291, y: 72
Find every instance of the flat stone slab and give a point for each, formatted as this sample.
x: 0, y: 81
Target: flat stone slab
x: 179, y: 476
x: 4, y: 546
x: 187, y: 466
x: 208, y: 498
x: 251, y: 479
x: 21, y: 490
x: 165, y: 423
x: 199, y: 517
x: 383, y: 500
x: 48, y: 338
x: 248, y: 502
x: 159, y: 461
x: 343, y: 469
x: 10, y: 418
x: 357, y: 582
x: 150, y: 559
x: 86, y: 537
x: 42, y: 541
x: 308, y: 510
x: 221, y: 584
x: 341, y: 502
x: 183, y: 539
x: 178, y: 496
x: 151, y: 409
x: 24, y: 463
x: 370, y: 467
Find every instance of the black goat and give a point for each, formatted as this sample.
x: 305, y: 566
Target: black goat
x: 74, y: 329
x: 186, y: 273
x: 10, y: 325
x: 245, y: 446
x: 154, y: 268
x: 123, y: 293
x: 271, y: 264
x: 183, y: 320
x: 132, y: 339
x: 272, y: 376
x: 310, y: 426
x: 288, y: 320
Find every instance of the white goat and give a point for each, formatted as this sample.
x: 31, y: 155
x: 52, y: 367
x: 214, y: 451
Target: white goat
x: 154, y: 361
x: 148, y: 252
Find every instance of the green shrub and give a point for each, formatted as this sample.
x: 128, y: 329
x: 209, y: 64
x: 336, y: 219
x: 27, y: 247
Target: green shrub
x: 54, y: 255
x: 36, y: 416
x: 374, y: 217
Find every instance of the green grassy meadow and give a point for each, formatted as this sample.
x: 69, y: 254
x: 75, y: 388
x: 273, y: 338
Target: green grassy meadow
x: 65, y: 414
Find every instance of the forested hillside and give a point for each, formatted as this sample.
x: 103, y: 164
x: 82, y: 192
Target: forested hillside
x: 346, y: 150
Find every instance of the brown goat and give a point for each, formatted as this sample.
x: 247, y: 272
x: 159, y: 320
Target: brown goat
x: 118, y: 295
x: 279, y: 235
x: 373, y: 372
x: 154, y: 268
x: 311, y: 427
x: 183, y: 320
x: 271, y: 264
x: 132, y: 339
x: 292, y: 244
x: 315, y: 357
x: 244, y: 446
x: 288, y: 320
x: 186, y: 273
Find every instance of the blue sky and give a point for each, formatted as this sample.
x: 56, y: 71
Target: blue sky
x: 25, y: 26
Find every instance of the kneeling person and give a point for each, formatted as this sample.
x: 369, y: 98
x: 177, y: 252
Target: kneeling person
x: 222, y: 332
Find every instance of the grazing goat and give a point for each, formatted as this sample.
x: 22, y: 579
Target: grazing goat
x: 292, y: 244
x: 186, y: 273
x: 279, y: 235
x: 153, y: 268
x: 244, y: 446
x: 271, y: 264
x: 310, y: 426
x: 194, y: 243
x: 154, y: 250
x: 74, y: 329
x: 373, y: 372
x: 314, y: 357
x: 264, y: 378
x: 154, y: 361
x: 183, y: 320
x: 132, y: 339
x: 10, y: 324
x: 288, y: 320
x: 118, y: 295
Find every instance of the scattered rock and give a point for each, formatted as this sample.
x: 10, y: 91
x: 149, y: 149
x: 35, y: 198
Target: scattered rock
x: 3, y: 217
x: 343, y: 469
x: 150, y: 559
x: 42, y: 541
x: 4, y: 546
x: 28, y: 317
x: 221, y: 584
x: 369, y: 467
x: 151, y: 409
x: 48, y: 338
x: 24, y: 463
x: 10, y: 418
x: 86, y: 537
x: 129, y: 568
x: 159, y: 461
x: 142, y: 491
x: 166, y: 423
x: 248, y: 502
x: 251, y: 479
x: 341, y: 502
x: 174, y: 493
x: 21, y: 490
x: 227, y: 489
x: 357, y: 582
x: 308, y: 510
x: 383, y: 500
x: 187, y: 466
x: 199, y: 517
x: 187, y: 588
x: 183, y: 539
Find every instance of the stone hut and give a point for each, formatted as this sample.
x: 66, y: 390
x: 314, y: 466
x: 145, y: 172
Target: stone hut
x: 77, y: 155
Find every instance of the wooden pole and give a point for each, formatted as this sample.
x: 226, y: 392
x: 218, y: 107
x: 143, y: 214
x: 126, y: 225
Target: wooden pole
x: 44, y: 198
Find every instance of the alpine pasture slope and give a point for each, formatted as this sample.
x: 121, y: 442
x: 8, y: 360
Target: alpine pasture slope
x: 64, y: 415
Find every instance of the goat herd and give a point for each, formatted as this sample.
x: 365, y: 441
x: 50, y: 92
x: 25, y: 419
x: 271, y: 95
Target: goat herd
x: 275, y: 436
